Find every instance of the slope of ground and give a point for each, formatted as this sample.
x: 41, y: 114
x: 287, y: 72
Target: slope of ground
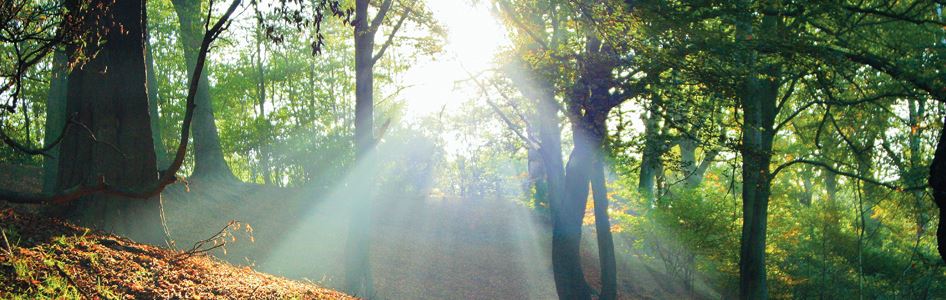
x: 45, y: 258
x: 422, y: 247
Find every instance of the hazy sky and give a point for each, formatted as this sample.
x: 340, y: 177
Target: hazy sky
x: 474, y: 37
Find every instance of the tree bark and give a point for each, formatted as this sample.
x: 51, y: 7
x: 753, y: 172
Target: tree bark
x: 55, y: 120
x: 694, y: 171
x: 262, y: 123
x: 208, y: 154
x: 109, y: 96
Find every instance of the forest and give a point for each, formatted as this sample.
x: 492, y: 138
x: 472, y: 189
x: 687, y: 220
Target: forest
x: 472, y: 149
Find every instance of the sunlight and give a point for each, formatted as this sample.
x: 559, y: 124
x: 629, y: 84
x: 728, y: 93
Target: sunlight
x: 474, y: 36
x: 472, y: 149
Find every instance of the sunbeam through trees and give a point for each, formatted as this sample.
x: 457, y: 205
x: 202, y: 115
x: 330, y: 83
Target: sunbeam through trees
x: 472, y: 149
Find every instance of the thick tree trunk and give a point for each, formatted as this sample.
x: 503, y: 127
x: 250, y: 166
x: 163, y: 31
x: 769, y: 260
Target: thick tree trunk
x: 758, y: 101
x: 160, y: 151
x: 55, y: 120
x: 567, y: 219
x: 588, y: 110
x: 208, y: 154
x: 758, y: 118
x: 109, y: 96
x: 550, y: 143
x: 357, y: 265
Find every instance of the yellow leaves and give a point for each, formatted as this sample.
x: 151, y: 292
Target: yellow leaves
x: 616, y: 227
x: 879, y: 212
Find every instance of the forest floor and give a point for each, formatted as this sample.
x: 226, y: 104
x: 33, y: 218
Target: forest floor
x: 422, y: 247
x: 46, y: 258
x: 43, y: 258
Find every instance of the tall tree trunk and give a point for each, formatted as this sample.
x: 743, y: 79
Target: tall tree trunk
x: 108, y: 94
x: 914, y: 174
x: 650, y: 155
x: 567, y: 219
x: 758, y: 101
x: 545, y: 122
x: 588, y: 109
x: 538, y: 179
x: 55, y: 119
x: 937, y: 182
x: 357, y: 266
x: 262, y: 123
x: 208, y: 154
x: 606, y: 257
x: 830, y: 186
x: 364, y: 81
x: 758, y: 116
x: 808, y: 186
x: 550, y: 144
x: 160, y: 152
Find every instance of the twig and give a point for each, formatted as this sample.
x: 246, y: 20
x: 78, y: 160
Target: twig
x: 198, y: 247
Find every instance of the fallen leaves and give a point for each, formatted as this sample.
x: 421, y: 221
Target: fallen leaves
x: 102, y: 266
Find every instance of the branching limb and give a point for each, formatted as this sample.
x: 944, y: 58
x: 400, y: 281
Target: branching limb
x: 390, y: 40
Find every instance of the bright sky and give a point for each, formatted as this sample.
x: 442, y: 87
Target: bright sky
x: 474, y: 36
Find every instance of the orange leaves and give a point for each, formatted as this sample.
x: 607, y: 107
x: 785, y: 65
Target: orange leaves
x: 110, y: 267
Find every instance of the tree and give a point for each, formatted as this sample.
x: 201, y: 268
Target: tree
x: 208, y: 154
x: 106, y: 39
x: 584, y: 76
x: 770, y: 43
x: 108, y: 97
x: 357, y: 266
